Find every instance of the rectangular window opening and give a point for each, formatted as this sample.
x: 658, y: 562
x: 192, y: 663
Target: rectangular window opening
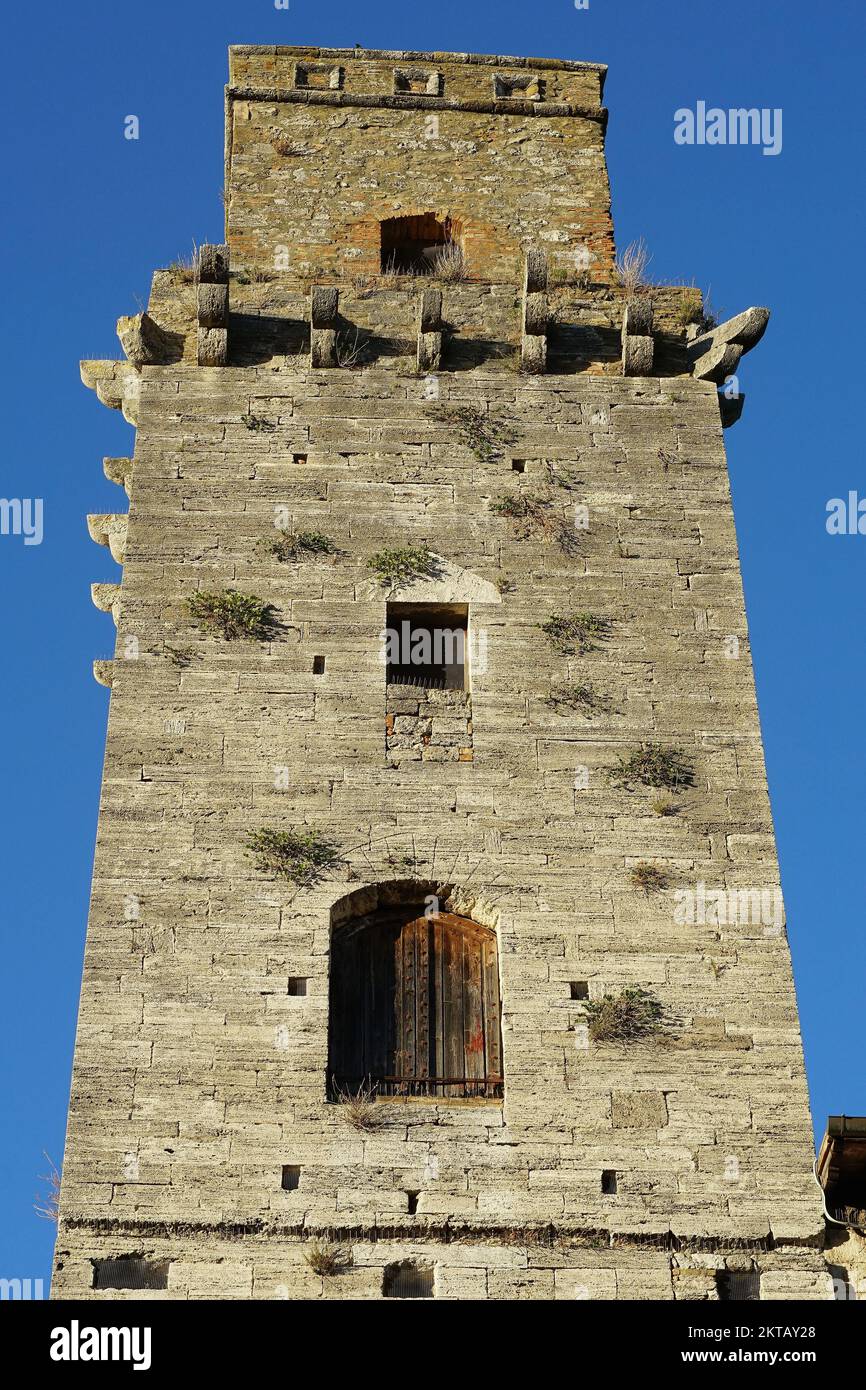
x: 412, y: 244
x: 320, y: 76
x: 291, y: 1177
x: 297, y: 986
x: 518, y: 465
x: 418, y: 80
x: 318, y: 665
x: 407, y: 1280
x: 579, y: 989
x: 412, y: 1202
x: 526, y: 85
x: 608, y: 1182
x: 427, y: 645
x: 738, y: 1285
x: 130, y: 1273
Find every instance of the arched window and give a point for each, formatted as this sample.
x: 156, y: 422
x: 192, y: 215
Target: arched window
x: 409, y: 245
x: 414, y: 1007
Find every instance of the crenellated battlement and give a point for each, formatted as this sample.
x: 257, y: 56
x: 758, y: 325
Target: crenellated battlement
x: 420, y: 323
x: 384, y: 73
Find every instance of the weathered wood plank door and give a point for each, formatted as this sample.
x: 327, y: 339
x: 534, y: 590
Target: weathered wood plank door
x: 415, y: 1007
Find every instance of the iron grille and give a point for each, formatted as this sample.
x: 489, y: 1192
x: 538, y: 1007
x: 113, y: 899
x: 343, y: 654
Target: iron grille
x: 453, y: 1087
x: 130, y: 1274
x: 417, y: 676
x: 738, y: 1285
x: 407, y: 1280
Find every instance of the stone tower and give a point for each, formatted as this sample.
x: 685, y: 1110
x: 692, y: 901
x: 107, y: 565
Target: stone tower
x: 435, y: 946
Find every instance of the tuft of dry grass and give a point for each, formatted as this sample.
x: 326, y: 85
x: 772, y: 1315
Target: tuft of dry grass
x: 531, y: 515
x: 484, y: 435
x: 558, y: 476
x: 631, y: 268
x: 184, y: 268
x: 710, y: 316
x: 47, y: 1203
x: 449, y: 264
x: 582, y: 696
x: 665, y: 805
x: 575, y: 634
x: 390, y: 276
x: 689, y: 308
x: 257, y: 423
x: 351, y: 348
x: 180, y: 656
x: 655, y: 766
x: 289, y: 149
x: 649, y: 878
x: 629, y: 1016
x: 293, y: 546
x: 325, y: 1259
x: 360, y: 1110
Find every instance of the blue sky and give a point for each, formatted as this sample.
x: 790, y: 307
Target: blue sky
x: 90, y: 214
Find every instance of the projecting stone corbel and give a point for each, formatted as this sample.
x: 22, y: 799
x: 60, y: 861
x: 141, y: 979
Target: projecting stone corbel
x: 638, y: 347
x: 109, y: 528
x: 535, y: 314
x: 106, y: 597
x: 117, y: 385
x: 119, y: 471
x: 144, y: 342
x: 103, y: 672
x: 731, y: 408
x: 212, y: 305
x: 714, y: 356
x: 430, y: 331
x: 324, y: 309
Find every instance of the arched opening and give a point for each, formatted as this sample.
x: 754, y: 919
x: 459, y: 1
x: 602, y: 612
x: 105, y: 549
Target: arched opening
x: 414, y: 1006
x: 411, y: 245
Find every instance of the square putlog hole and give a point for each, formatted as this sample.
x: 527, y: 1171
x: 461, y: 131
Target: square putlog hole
x: 579, y: 989
x: 518, y: 465
x: 299, y: 458
x: 297, y: 986
x: 407, y: 1280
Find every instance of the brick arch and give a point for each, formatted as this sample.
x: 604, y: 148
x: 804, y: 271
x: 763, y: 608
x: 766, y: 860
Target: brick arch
x: 414, y: 1004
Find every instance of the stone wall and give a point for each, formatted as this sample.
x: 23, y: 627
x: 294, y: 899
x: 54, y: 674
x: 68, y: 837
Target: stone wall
x: 428, y: 725
x: 263, y: 1264
x: 511, y: 172
x: 197, y: 1074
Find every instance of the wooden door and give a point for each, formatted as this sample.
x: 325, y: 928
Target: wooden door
x: 415, y: 1007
